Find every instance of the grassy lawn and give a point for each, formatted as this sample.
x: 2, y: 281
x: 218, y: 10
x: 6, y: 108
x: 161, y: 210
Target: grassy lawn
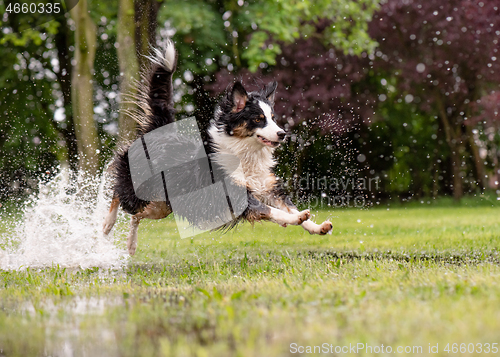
x: 405, y: 278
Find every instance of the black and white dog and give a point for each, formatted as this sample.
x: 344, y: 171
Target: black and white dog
x: 244, y: 126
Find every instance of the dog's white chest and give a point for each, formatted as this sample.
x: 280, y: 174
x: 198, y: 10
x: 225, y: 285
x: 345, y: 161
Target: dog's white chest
x: 254, y: 169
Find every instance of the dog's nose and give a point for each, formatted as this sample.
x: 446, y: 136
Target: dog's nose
x: 281, y: 135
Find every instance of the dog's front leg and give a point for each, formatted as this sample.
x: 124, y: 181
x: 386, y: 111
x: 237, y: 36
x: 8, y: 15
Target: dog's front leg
x: 258, y: 211
x: 314, y: 228
x: 283, y: 203
x: 285, y: 218
x: 308, y: 225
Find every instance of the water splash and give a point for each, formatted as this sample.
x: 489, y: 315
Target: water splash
x: 63, y: 225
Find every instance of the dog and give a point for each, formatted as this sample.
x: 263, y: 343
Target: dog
x: 243, y: 126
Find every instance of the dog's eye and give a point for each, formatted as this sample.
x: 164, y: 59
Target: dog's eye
x: 257, y: 120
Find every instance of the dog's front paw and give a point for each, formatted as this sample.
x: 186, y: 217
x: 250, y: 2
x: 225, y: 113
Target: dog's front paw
x: 303, y: 216
x: 325, y: 227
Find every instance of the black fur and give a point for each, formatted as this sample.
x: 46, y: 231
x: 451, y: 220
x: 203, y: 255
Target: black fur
x: 160, y: 99
x: 250, y: 116
x: 123, y: 187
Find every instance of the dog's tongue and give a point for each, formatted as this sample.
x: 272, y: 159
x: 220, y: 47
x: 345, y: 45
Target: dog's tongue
x: 266, y: 141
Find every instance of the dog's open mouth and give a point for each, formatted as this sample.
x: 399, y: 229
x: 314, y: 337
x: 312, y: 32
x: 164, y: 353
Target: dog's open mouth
x: 267, y: 142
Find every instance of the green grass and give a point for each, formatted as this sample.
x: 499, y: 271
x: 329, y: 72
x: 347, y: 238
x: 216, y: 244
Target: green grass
x: 414, y: 276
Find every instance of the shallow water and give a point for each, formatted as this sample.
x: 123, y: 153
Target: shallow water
x: 62, y: 225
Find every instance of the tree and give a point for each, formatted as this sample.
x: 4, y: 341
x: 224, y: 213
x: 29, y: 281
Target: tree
x: 487, y: 118
x: 82, y: 89
x: 63, y: 39
x: 146, y: 20
x: 129, y: 67
x: 443, y: 55
x: 136, y: 33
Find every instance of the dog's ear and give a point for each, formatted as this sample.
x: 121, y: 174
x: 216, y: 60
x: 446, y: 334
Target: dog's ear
x: 240, y: 97
x: 270, y: 91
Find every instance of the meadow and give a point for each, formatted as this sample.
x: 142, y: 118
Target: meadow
x: 403, y: 280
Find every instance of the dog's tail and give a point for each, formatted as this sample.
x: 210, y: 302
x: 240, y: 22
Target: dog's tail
x: 155, y: 104
x: 155, y: 96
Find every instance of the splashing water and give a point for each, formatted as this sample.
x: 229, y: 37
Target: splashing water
x: 63, y: 225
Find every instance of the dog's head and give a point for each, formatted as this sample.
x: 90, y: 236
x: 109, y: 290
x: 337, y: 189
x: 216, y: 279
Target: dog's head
x: 251, y: 115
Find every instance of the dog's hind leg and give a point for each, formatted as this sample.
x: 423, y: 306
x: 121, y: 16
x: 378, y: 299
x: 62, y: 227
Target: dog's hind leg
x: 110, y: 219
x: 154, y: 210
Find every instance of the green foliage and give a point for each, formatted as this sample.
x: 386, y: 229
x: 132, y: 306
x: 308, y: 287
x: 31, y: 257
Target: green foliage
x: 350, y: 25
x: 405, y: 149
x: 286, y: 21
x: 199, y: 33
x: 259, y: 52
x: 28, y: 137
x: 255, y: 31
x: 318, y: 167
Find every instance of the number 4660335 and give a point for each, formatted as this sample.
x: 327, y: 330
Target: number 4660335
x: 471, y: 348
x: 34, y: 8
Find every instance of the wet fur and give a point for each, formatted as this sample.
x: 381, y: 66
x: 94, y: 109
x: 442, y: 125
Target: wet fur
x: 243, y: 126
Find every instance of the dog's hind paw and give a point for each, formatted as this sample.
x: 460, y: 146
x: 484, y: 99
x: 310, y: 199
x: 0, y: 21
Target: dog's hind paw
x: 107, y: 227
x: 132, y: 243
x: 326, y: 227
x: 131, y: 248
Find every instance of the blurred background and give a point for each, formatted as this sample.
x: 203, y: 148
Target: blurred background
x: 392, y: 100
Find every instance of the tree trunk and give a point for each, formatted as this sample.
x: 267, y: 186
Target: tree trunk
x: 146, y: 13
x: 64, y: 80
x: 454, y: 141
x: 82, y: 89
x: 456, y: 163
x: 478, y: 161
x: 129, y: 68
x: 496, y: 170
